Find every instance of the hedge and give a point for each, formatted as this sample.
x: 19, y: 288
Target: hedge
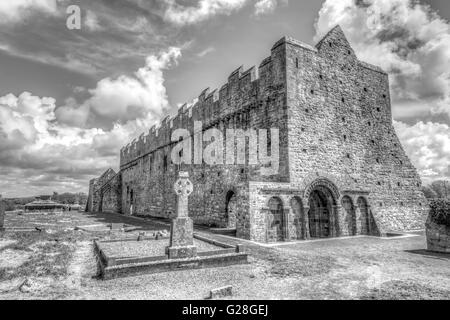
x: 440, y: 212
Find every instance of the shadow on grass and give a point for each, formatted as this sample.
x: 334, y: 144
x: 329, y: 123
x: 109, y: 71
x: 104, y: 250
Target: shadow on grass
x: 107, y: 218
x: 431, y: 254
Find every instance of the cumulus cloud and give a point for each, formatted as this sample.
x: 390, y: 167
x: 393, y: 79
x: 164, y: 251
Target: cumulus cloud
x: 42, y: 143
x: 205, y: 52
x: 91, y: 21
x: 428, y: 146
x: 203, y: 10
x: 12, y: 11
x: 407, y: 39
x: 125, y: 98
x: 263, y: 7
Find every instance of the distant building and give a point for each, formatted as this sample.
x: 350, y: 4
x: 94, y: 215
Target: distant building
x: 44, y: 204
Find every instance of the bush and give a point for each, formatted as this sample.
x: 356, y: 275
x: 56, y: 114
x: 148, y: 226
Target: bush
x: 440, y: 212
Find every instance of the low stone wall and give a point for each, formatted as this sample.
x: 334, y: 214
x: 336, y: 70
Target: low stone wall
x: 438, y: 226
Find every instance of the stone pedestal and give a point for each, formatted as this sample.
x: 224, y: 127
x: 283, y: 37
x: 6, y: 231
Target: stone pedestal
x: 182, y: 239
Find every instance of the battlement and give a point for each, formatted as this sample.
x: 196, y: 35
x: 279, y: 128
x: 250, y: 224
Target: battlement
x: 294, y: 42
x: 210, y: 106
x: 213, y: 105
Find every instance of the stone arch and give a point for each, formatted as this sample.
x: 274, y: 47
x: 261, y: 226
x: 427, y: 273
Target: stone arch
x: 323, y: 183
x: 299, y: 218
x: 275, y: 220
x: 350, y: 215
x: 231, y: 209
x: 321, y: 197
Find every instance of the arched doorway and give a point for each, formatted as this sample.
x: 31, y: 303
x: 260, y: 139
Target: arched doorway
x: 299, y: 218
x: 365, y: 217
x: 350, y: 216
x: 275, y: 220
x: 322, y: 214
x: 230, y: 210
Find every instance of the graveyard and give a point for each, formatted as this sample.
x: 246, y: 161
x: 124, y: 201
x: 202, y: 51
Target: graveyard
x: 83, y: 255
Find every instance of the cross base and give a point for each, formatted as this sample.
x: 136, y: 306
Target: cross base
x: 181, y: 239
x: 181, y: 252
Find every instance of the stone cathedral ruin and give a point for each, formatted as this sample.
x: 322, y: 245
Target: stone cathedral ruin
x: 342, y: 170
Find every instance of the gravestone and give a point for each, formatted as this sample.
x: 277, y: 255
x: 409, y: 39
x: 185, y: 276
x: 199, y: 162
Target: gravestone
x: 182, y: 227
x: 117, y: 226
x: 2, y: 213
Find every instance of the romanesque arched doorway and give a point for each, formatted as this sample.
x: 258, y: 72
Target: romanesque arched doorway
x: 275, y: 220
x: 323, y: 217
x: 320, y: 210
x: 365, y: 216
x: 350, y: 216
x: 230, y: 210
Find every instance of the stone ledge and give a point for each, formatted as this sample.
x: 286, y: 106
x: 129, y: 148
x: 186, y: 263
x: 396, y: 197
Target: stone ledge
x: 135, y: 269
x: 111, y: 267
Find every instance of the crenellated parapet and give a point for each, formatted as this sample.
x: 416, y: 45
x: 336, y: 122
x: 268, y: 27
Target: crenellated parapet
x: 210, y: 107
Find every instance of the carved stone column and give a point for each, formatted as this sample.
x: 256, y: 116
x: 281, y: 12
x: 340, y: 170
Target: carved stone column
x: 358, y: 220
x: 370, y: 223
x: 339, y: 224
x: 305, y: 223
x: 286, y: 225
x: 333, y: 215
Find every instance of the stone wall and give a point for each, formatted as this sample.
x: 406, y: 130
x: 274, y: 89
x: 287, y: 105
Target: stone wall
x: 251, y: 99
x: 2, y: 213
x: 111, y: 195
x: 90, y: 200
x: 109, y: 180
x: 334, y: 116
x: 340, y: 122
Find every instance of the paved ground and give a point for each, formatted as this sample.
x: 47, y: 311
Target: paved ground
x: 60, y: 265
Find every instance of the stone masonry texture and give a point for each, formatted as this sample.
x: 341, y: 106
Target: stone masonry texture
x: 342, y: 169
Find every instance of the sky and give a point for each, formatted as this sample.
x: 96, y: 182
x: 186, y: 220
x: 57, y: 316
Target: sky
x: 71, y: 99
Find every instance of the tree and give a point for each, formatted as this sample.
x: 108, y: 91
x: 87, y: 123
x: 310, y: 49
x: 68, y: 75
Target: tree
x: 442, y: 189
x: 429, y: 192
x: 439, y: 189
